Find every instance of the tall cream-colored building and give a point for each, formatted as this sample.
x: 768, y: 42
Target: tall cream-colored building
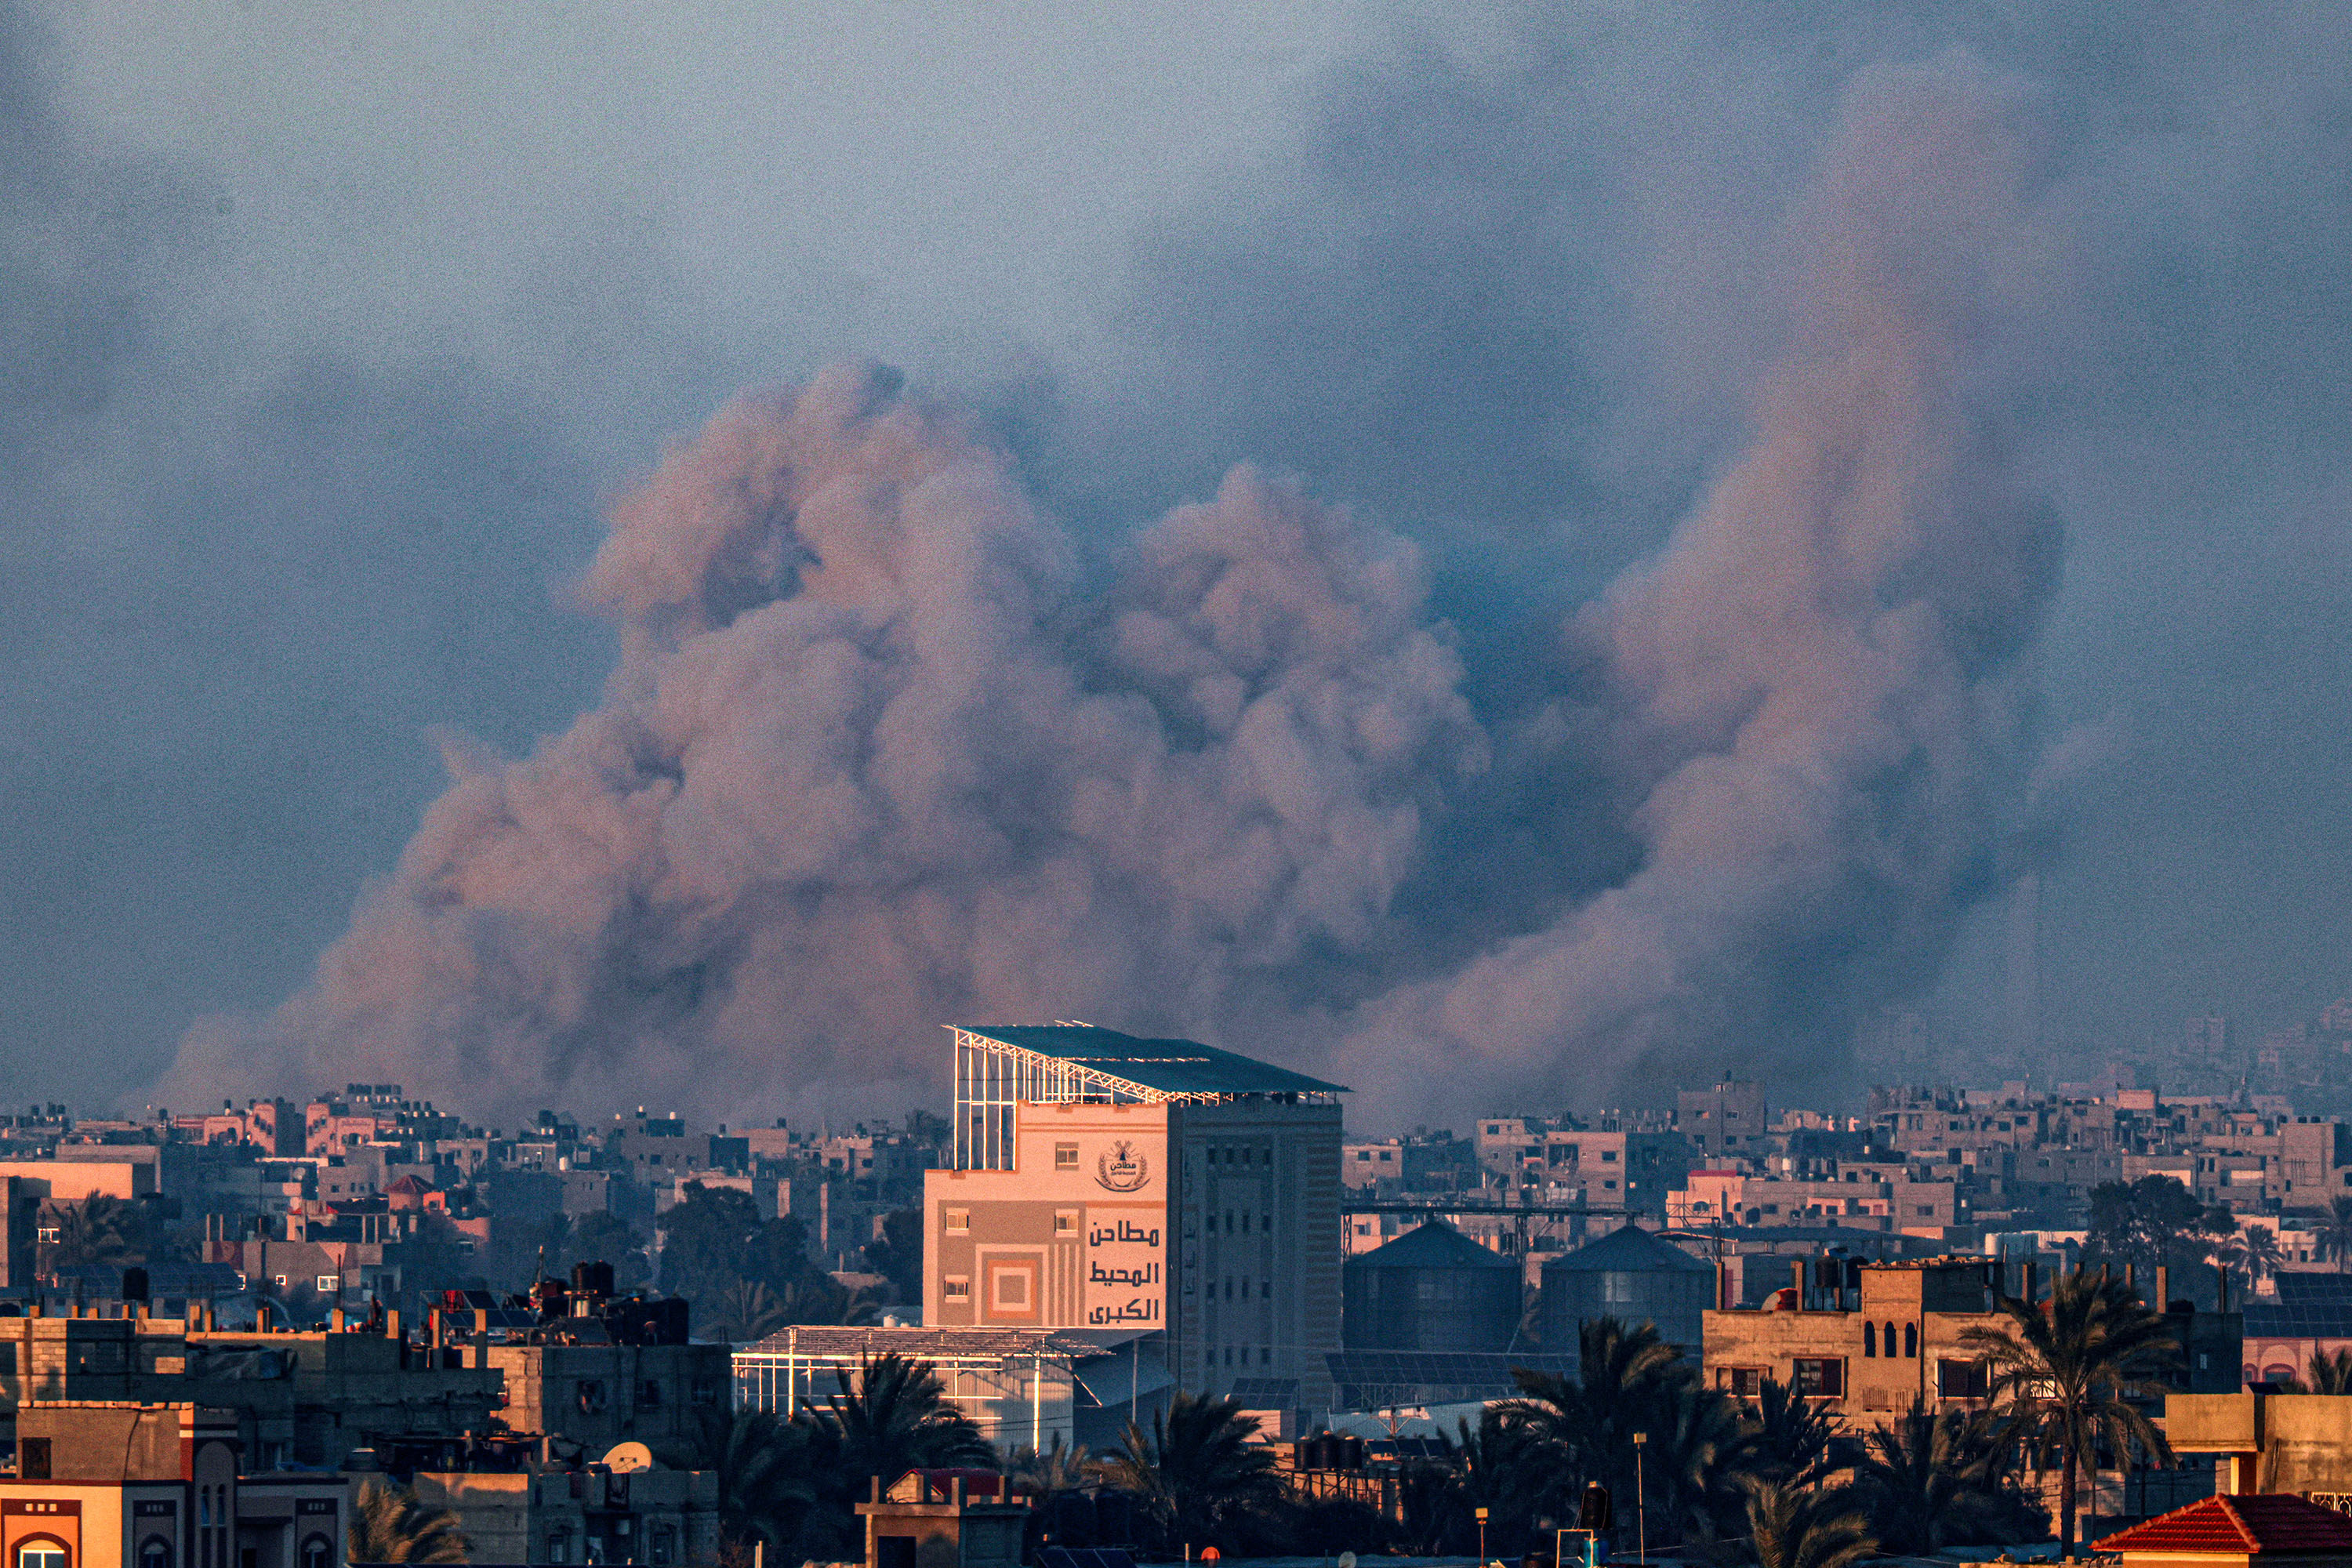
x: 1105, y: 1182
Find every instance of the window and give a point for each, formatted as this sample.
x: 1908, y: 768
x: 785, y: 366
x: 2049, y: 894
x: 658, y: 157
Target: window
x: 956, y: 1288
x: 1065, y: 1222
x: 156, y: 1552
x: 1963, y: 1379
x: 1066, y: 1156
x: 33, y: 1460
x: 328, y: 1284
x: 558, y: 1549
x: 650, y: 1394
x: 318, y: 1553
x: 959, y: 1219
x: 588, y: 1394
x: 1910, y: 1341
x: 1869, y: 1339
x: 1820, y: 1376
x: 1745, y: 1380
x: 41, y: 1555
x: 1927, y: 1211
x: 1609, y: 1156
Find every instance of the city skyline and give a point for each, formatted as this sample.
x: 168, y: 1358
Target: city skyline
x: 1450, y: 538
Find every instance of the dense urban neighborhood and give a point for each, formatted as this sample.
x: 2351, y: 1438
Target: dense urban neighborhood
x: 1149, y: 1296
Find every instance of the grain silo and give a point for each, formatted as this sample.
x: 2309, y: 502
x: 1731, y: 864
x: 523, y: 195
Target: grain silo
x: 1431, y: 1288
x: 1634, y: 1276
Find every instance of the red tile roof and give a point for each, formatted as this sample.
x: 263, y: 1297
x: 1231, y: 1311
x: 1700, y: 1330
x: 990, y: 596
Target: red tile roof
x: 2239, y: 1526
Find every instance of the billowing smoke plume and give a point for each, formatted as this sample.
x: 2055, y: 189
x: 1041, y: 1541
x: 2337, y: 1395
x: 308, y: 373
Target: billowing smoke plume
x: 1810, y: 695
x: 885, y: 750
x: 871, y: 762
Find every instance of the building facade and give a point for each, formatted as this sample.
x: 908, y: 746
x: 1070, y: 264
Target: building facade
x: 102, y: 1483
x: 1101, y: 1181
x: 1865, y: 1341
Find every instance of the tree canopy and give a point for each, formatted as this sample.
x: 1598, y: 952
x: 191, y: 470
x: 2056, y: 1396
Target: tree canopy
x: 2154, y: 1221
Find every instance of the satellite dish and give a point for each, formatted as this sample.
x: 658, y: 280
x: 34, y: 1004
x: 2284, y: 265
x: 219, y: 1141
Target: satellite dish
x: 1347, y: 1560
x: 624, y: 1458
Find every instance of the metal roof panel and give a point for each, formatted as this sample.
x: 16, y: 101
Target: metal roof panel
x: 1166, y: 1066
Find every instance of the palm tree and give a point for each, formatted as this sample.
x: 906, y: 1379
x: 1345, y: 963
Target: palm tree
x: 1631, y: 1381
x: 1196, y: 1471
x: 2253, y: 1255
x: 2064, y: 1371
x: 1057, y: 1480
x: 1495, y: 1465
x: 389, y: 1525
x: 2335, y: 1235
x: 1791, y: 1438
x: 747, y: 1312
x: 1625, y: 1379
x: 768, y: 1483
x: 1054, y: 1472
x: 1935, y: 1479
x: 2330, y: 1371
x: 898, y: 1419
x: 99, y: 1232
x: 1798, y: 1527
x: 1697, y: 1451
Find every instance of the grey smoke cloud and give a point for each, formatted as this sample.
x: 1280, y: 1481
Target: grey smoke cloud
x: 319, y: 457
x: 1813, y: 691
x: 872, y: 761
x: 880, y: 753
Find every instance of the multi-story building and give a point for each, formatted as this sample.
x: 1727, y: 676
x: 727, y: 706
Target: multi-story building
x: 1852, y: 1199
x: 299, y: 1398
x: 1510, y: 1146
x: 1611, y: 1167
x: 1866, y: 1340
x: 153, y: 1486
x: 1104, y: 1180
x: 1728, y: 1121
x: 2314, y: 1163
x: 621, y: 1513
x: 1370, y: 1168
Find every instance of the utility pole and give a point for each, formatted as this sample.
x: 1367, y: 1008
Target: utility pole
x: 1640, y: 1499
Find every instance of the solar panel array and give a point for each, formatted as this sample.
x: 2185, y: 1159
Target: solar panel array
x: 1083, y: 1557
x: 2309, y: 1307
x: 2299, y: 1321
x: 1388, y: 1377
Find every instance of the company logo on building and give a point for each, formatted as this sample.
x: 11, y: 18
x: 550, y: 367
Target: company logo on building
x: 1122, y: 1169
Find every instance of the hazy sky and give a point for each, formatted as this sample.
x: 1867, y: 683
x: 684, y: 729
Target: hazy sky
x: 332, y: 333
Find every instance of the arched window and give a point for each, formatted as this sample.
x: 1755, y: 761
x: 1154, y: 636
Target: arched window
x: 1910, y: 1338
x: 317, y: 1552
x: 155, y: 1552
x: 1869, y: 1337
x: 41, y: 1554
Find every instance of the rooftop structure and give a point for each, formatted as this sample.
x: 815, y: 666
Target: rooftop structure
x: 2270, y: 1525
x: 1067, y: 1063
x: 1023, y: 1387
